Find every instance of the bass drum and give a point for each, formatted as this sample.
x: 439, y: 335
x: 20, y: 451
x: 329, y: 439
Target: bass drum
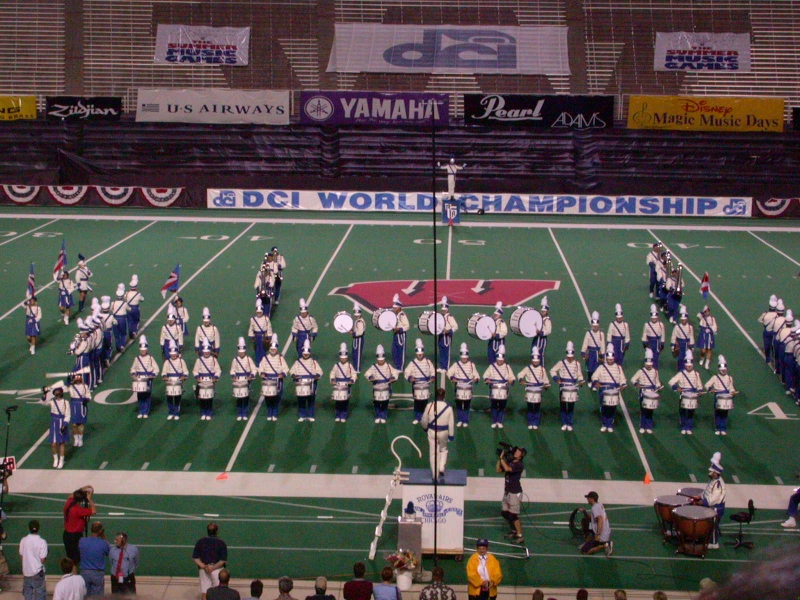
x: 431, y: 322
x: 481, y: 327
x: 526, y: 322
x: 384, y: 319
x: 343, y: 322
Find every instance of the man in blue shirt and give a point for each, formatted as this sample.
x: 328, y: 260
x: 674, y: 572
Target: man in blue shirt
x: 210, y: 555
x: 94, y: 551
x: 124, y: 560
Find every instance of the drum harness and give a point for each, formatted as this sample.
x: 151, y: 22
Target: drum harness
x: 174, y: 369
x: 344, y: 377
x: 244, y: 372
x: 144, y: 370
x: 310, y: 374
x: 652, y: 385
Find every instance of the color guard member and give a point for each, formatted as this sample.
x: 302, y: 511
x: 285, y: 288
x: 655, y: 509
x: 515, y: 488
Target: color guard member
x: 206, y: 373
x: 174, y: 373
x: 399, y: 337
x: 65, y: 289
x: 33, y: 315
x: 619, y: 335
x: 82, y: 276
x: 133, y: 297
x: 358, y: 331
x: 682, y: 340
x: 609, y: 380
x: 420, y: 372
x: 342, y: 378
x: 60, y: 415
x: 260, y: 331
x: 207, y: 334
x: 304, y: 327
x: 766, y: 319
x: 79, y: 398
x: 534, y: 377
x: 382, y: 375
x: 306, y: 372
x: 567, y: 374
x: 81, y: 347
x: 707, y: 336
x: 445, y: 339
x: 593, y: 344
x: 540, y: 339
x: 171, y: 332
x: 688, y: 384
x: 499, y: 377
x: 243, y: 371
x: 721, y: 385
x: 119, y: 310
x: 143, y: 370
x: 273, y: 369
x: 500, y: 333
x: 648, y: 383
x: 464, y: 375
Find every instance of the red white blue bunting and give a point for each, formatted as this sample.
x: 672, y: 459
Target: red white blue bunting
x: 161, y: 197
x: 67, y: 195
x: 21, y: 194
x: 115, y: 196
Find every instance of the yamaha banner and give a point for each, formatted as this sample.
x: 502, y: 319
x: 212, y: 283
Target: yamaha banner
x: 77, y: 108
x: 374, y: 108
x: 545, y: 112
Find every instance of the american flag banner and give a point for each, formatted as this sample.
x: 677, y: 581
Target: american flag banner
x: 173, y: 281
x: 61, y: 263
x: 705, y: 286
x: 31, y: 283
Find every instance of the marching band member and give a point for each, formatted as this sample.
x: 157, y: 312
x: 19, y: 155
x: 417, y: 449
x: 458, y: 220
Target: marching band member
x: 342, y: 377
x: 714, y: 496
x: 381, y: 375
x: 279, y: 260
x: 33, y: 315
x: 143, y: 370
x: 260, y: 331
x: 682, y: 340
x: 619, y: 335
x: 65, y: 289
x: 181, y: 315
x: 304, y: 327
x: 661, y: 280
x: 82, y: 347
x: 499, y: 377
x: 206, y: 373
x: 171, y: 332
x: 674, y: 294
x: 648, y: 383
x: 653, y: 258
x: 540, y: 339
x: 273, y: 369
x: 265, y: 287
x: 464, y: 375
x: 207, y: 335
x: 95, y: 348
x: 119, y: 310
x: 567, y: 374
x: 500, y: 332
x: 107, y: 322
x: 420, y: 372
x: 688, y: 384
x: 133, y: 297
x: 243, y: 371
x: 399, y: 337
x: 79, y: 398
x: 535, y: 378
x: 779, y: 344
x: 593, y: 343
x: 445, y: 339
x: 437, y: 421
x: 451, y: 168
x: 789, y: 360
x: 774, y: 327
x: 60, y: 416
x: 358, y: 331
x: 721, y: 385
x: 306, y: 372
x: 766, y: 319
x: 609, y: 380
x: 654, y: 335
x: 174, y: 373
x: 707, y: 336
x: 82, y: 276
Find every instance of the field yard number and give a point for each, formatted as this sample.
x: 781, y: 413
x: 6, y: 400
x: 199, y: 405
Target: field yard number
x: 102, y: 397
x: 682, y: 246
x: 46, y: 234
x: 773, y: 412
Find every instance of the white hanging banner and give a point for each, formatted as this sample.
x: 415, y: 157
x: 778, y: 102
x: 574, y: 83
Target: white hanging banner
x: 188, y: 45
x: 689, y: 52
x: 211, y: 105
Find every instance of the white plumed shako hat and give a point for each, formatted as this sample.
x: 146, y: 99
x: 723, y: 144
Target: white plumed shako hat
x: 134, y: 281
x: 120, y: 290
x: 498, y: 308
x: 306, y: 347
x: 343, y: 349
x: 595, y: 318
x: 618, y: 310
x: 396, y: 300
x: 142, y: 342
x: 206, y: 314
x: 648, y: 355
x: 570, y: 349
x: 610, y: 351
x: 379, y: 352
x: 464, y: 349
x: 241, y: 345
x: 419, y: 348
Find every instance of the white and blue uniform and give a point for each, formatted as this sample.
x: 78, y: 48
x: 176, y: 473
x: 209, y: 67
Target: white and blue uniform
x: 445, y: 339
x: 654, y: 335
x: 399, y: 337
x: 721, y: 385
x: 65, y: 289
x: 306, y: 370
x: 420, y: 372
x: 278, y: 264
x: 144, y: 368
x: 594, y: 341
x: 437, y: 420
x: 260, y: 332
x: 174, y: 372
x: 619, y: 335
x: 206, y: 370
x: 609, y: 380
x: 171, y: 332
x: 381, y: 375
x: 79, y: 398
x: 464, y: 374
x: 689, y: 385
x: 714, y: 495
x: 182, y: 315
x: 682, y: 340
x: 499, y: 374
x: 540, y: 339
x: 646, y: 379
x: 33, y: 315
x: 274, y: 368
x: 265, y: 287
x: 304, y: 327
x: 358, y: 331
x: 133, y: 297
x: 706, y: 339
x: 342, y: 378
x: 82, y: 276
x: 766, y: 320
x: 207, y: 334
x: 534, y: 378
x: 653, y: 258
x: 499, y: 337
x: 107, y: 324
x: 119, y: 310
x: 60, y: 416
x: 567, y: 374
x: 243, y: 371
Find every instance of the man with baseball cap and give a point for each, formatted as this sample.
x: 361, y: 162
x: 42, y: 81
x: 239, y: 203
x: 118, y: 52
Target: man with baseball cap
x: 483, y: 573
x: 600, y: 538
x: 321, y: 590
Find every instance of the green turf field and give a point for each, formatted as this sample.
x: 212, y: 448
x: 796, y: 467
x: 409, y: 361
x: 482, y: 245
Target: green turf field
x: 596, y: 265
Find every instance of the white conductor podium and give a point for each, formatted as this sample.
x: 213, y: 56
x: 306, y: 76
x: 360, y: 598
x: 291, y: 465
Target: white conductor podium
x: 446, y: 508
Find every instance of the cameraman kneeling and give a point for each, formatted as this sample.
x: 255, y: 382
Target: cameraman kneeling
x: 510, y: 463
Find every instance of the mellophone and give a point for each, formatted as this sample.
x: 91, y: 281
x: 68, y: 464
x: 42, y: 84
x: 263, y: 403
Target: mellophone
x: 680, y: 517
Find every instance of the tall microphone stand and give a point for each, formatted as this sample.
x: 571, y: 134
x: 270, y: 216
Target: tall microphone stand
x: 9, y: 410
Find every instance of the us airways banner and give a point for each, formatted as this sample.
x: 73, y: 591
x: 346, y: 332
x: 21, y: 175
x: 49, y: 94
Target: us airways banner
x: 213, y: 106
x: 682, y: 51
x: 14, y: 108
x: 490, y: 203
x: 374, y: 108
x: 186, y: 45
x: 375, y: 48
x: 705, y: 113
x: 547, y: 112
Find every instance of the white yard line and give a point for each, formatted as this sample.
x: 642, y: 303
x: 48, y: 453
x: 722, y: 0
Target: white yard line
x: 32, y: 448
x: 309, y: 298
x: 715, y: 297
x: 91, y: 258
x: 21, y: 235
x: 625, y: 412
x: 783, y: 254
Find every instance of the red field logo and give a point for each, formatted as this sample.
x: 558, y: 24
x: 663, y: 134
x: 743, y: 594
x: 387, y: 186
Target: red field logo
x: 464, y: 292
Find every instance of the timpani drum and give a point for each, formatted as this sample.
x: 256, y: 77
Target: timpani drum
x: 689, y: 400
x: 569, y: 393
x: 140, y: 385
x: 695, y: 525
x: 341, y: 392
x: 611, y: 397
x: 241, y: 388
x: 463, y: 391
x: 343, y: 322
x: 533, y: 394
x: 481, y: 327
x: 724, y: 401
x: 526, y: 322
x: 269, y: 388
x: 431, y: 322
x: 303, y: 388
x: 664, y: 505
x: 381, y: 392
x: 691, y: 492
x: 650, y: 399
x: 498, y: 391
x: 205, y: 389
x: 384, y: 319
x: 421, y: 390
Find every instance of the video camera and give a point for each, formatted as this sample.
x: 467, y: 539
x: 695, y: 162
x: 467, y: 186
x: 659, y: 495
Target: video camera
x: 506, y: 451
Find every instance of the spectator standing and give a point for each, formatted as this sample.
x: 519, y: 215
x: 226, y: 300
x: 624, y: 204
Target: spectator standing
x: 437, y: 590
x: 357, y: 588
x: 94, y: 551
x: 124, y: 558
x: 33, y: 550
x: 386, y: 590
x: 77, y: 509
x: 483, y: 573
x: 223, y: 591
x: 210, y: 555
x: 256, y: 589
x: 285, y: 585
x: 320, y: 589
x: 71, y: 586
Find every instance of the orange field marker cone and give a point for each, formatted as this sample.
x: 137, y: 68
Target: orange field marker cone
x: 647, y: 480
x: 222, y: 477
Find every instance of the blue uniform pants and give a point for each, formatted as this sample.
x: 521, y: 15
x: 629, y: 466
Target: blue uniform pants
x: 534, y: 413
x: 399, y: 350
x: 357, y: 350
x: 445, y: 342
x: 133, y: 321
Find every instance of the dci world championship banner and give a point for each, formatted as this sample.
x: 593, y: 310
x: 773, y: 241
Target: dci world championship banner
x: 707, y: 113
x: 682, y: 51
x: 374, y: 108
x: 546, y: 112
x: 77, y: 108
x: 213, y: 106
x: 15, y: 108
x: 331, y: 201
x: 377, y: 48
x: 187, y: 45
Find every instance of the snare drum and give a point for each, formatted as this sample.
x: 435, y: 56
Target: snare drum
x: 526, y: 322
x: 611, y: 397
x: 481, y: 327
x: 463, y: 391
x: 533, y: 394
x: 303, y: 388
x: 724, y: 401
x: 140, y: 385
x: 269, y: 388
x: 664, y: 505
x: 343, y: 322
x: 421, y: 390
x: 205, y: 389
x: 384, y: 319
x: 431, y: 322
x: 689, y: 400
x: 174, y: 389
x: 241, y: 389
x: 381, y: 393
x: 694, y: 525
x: 569, y: 393
x: 341, y: 392
x: 650, y: 399
x: 498, y: 391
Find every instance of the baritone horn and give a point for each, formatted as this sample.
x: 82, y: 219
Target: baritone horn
x: 679, y: 280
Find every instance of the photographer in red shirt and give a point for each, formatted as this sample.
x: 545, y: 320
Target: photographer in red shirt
x: 77, y: 510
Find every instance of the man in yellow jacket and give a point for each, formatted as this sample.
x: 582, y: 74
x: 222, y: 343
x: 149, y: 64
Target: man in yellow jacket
x: 483, y: 573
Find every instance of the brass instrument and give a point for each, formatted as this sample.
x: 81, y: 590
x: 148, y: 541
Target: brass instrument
x: 679, y: 281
